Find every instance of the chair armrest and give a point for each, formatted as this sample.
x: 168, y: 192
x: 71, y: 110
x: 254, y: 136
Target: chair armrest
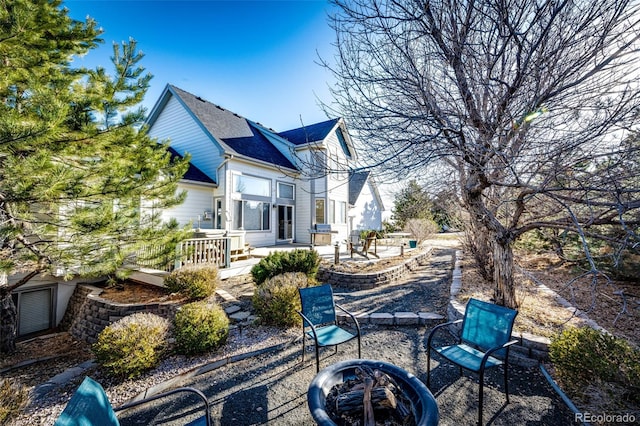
x: 309, y: 324
x: 168, y: 393
x: 438, y: 327
x: 353, y: 317
x: 506, y: 345
x: 488, y: 353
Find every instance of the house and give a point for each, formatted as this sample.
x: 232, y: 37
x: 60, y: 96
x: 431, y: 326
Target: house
x: 244, y: 180
x: 269, y: 187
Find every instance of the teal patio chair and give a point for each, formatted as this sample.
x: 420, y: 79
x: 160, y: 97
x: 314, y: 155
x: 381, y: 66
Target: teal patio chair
x: 89, y: 406
x: 319, y: 320
x: 484, y: 342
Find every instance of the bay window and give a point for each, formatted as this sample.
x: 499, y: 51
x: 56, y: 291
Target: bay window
x: 251, y: 215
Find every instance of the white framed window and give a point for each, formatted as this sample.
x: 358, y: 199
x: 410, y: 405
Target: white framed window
x: 320, y: 210
x: 217, y: 213
x: 332, y: 211
x: 251, y: 215
x: 252, y: 185
x: 341, y: 214
x: 285, y: 190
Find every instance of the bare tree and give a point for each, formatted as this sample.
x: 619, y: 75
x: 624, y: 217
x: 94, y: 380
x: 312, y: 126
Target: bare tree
x: 527, y: 103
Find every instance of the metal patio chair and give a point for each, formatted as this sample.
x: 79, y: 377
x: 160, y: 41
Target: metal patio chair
x: 89, y: 405
x: 484, y: 343
x: 319, y: 320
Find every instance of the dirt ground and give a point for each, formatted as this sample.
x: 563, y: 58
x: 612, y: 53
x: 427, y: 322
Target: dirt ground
x: 613, y: 305
x: 133, y: 292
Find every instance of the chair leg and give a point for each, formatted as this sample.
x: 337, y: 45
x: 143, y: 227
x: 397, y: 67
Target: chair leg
x: 506, y: 380
x: 359, y: 349
x: 429, y: 368
x: 480, y: 397
x: 303, y: 345
x: 317, y: 358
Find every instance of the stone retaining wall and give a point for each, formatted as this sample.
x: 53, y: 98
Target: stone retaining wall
x: 368, y: 281
x: 88, y: 314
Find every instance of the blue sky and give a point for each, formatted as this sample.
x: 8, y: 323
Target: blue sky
x: 255, y: 58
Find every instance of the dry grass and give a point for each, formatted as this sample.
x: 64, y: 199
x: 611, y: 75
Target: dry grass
x: 13, y: 398
x: 542, y: 314
x: 538, y: 312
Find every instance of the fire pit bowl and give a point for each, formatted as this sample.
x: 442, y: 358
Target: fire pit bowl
x: 424, y: 407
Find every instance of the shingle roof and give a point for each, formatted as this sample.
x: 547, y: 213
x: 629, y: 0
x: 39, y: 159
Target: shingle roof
x: 356, y: 183
x: 312, y: 133
x: 193, y: 173
x: 236, y: 134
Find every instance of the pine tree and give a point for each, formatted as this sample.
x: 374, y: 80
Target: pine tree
x: 411, y: 202
x: 81, y: 183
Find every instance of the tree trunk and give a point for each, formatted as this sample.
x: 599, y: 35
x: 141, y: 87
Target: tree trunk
x: 8, y: 321
x: 504, y: 292
x: 477, y: 242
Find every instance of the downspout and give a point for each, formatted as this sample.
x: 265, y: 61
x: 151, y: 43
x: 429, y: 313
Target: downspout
x: 226, y: 198
x: 227, y: 195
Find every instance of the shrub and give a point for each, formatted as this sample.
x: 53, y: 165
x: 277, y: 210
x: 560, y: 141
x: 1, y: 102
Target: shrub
x: 277, y: 300
x: 200, y: 327
x: 132, y: 344
x: 365, y: 233
x: 13, y: 398
x: 584, y: 356
x: 279, y: 262
x: 421, y: 229
x: 195, y: 282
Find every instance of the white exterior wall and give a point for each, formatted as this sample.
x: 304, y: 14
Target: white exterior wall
x: 199, y: 198
x: 337, y: 186
x: 339, y: 192
x: 307, y: 191
x: 185, y: 135
x: 366, y: 213
x: 305, y: 210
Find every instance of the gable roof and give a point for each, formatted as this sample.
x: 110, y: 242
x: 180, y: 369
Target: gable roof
x: 357, y: 180
x: 235, y: 134
x: 311, y: 133
x: 356, y: 183
x: 193, y: 173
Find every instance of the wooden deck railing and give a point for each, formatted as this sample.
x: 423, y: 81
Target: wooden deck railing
x: 193, y: 251
x: 205, y: 250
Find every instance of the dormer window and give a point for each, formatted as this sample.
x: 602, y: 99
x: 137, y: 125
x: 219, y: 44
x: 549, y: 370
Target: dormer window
x: 343, y: 142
